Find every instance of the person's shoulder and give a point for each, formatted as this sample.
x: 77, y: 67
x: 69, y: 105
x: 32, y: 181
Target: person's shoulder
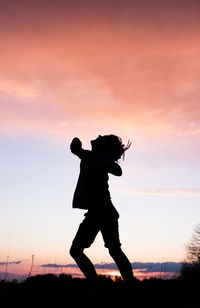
x: 87, y: 154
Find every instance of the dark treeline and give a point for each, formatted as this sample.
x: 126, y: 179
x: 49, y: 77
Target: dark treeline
x: 64, y: 291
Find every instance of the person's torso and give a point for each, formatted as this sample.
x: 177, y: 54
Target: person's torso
x: 92, y: 188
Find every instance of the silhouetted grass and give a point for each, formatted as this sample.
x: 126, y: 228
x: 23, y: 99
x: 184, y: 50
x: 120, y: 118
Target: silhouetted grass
x: 64, y: 291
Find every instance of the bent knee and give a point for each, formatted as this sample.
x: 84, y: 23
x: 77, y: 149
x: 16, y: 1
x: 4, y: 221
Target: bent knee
x: 74, y: 251
x: 114, y: 250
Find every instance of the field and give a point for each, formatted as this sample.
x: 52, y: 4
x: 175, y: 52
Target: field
x: 64, y: 291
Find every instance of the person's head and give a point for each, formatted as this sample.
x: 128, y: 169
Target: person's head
x: 110, y: 145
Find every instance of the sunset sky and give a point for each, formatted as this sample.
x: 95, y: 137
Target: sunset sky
x: 84, y: 68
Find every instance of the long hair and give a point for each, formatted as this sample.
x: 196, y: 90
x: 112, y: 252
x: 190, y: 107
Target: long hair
x: 114, y: 146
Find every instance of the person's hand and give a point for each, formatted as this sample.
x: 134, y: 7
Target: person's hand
x: 75, y: 145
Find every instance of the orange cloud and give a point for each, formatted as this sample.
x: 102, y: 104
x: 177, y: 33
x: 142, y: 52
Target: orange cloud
x: 119, y: 73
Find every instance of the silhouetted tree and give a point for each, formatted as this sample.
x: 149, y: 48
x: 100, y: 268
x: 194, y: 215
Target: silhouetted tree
x: 191, y: 267
x: 193, y: 247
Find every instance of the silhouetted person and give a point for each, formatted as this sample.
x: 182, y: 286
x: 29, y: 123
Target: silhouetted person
x: 92, y: 194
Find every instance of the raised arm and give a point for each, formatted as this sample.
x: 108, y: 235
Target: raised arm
x: 76, y: 147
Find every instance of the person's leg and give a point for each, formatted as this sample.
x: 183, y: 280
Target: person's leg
x: 83, y: 262
x: 122, y: 263
x: 84, y: 237
x: 110, y: 233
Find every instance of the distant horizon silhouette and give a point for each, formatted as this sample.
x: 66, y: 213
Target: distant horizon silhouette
x: 56, y: 290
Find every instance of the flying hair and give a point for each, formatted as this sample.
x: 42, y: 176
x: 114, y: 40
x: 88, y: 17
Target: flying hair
x: 115, y: 147
x: 125, y: 148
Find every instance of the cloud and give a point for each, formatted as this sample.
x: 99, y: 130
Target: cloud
x: 10, y: 262
x: 158, y: 266
x: 177, y: 192
x: 144, y: 266
x: 121, y: 67
x: 18, y: 89
x: 55, y: 265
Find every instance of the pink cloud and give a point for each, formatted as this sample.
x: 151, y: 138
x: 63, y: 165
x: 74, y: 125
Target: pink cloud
x: 139, y: 75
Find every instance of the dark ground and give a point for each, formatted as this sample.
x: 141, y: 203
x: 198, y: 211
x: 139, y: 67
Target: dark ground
x: 65, y: 291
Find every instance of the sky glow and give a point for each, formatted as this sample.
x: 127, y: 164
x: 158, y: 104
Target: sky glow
x: 84, y: 68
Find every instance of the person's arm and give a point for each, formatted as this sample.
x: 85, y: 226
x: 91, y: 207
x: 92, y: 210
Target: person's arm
x: 114, y: 168
x: 107, y: 164
x: 76, y: 147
